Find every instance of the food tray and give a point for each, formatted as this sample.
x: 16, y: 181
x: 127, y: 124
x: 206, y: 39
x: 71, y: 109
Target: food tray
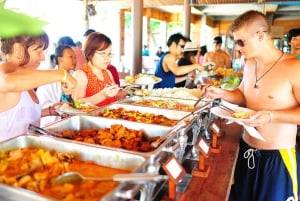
x: 101, y: 156
x: 80, y: 122
x: 171, y: 114
x: 200, y: 106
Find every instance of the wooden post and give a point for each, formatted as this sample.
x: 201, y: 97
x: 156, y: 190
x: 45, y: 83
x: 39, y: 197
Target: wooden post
x: 215, y: 147
x: 203, y: 169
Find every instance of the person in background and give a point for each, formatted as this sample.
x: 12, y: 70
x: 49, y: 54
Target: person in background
x: 19, y: 77
x: 203, y: 51
x: 167, y: 68
x: 95, y: 83
x: 88, y: 32
x: 238, y: 61
x: 145, y: 51
x: 110, y: 67
x: 293, y: 38
x: 79, y: 44
x: 218, y: 56
x: 265, y: 169
x: 67, y: 40
x: 51, y: 95
x: 159, y: 52
x: 190, y: 56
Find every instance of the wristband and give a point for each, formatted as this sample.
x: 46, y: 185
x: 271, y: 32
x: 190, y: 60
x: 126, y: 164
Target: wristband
x: 64, y: 80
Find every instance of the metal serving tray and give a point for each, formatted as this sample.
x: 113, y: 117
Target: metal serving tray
x: 171, y: 114
x: 201, y: 105
x: 80, y: 122
x: 101, y: 156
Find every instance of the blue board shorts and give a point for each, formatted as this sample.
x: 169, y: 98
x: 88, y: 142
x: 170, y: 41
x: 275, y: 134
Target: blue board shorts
x: 265, y: 175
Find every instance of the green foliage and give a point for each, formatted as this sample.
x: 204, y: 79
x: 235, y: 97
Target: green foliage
x: 13, y: 23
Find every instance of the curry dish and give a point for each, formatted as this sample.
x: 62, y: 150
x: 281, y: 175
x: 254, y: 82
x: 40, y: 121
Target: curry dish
x: 116, y: 136
x: 34, y: 168
x: 136, y: 116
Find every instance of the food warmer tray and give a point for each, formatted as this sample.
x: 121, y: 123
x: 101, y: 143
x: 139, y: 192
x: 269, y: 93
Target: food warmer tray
x: 201, y: 105
x: 81, y: 122
x: 171, y: 114
x: 101, y: 156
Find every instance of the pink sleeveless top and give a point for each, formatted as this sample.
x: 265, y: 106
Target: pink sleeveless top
x: 15, y: 121
x: 95, y: 85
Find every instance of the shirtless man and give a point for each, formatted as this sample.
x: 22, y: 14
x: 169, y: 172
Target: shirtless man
x: 218, y: 56
x: 265, y: 170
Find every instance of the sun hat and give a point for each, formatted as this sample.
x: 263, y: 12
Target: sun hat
x: 190, y: 46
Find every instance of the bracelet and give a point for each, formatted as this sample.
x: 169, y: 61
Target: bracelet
x: 49, y: 110
x: 64, y: 80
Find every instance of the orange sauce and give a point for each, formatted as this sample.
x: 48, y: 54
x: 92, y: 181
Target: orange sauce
x: 19, y: 161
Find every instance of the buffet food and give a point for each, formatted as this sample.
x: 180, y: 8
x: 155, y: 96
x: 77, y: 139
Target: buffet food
x: 34, y: 168
x: 168, y: 104
x: 142, y: 79
x: 94, y: 130
x: 80, y: 108
x: 133, y: 115
x: 241, y: 115
x: 32, y: 161
x: 116, y: 135
x: 183, y: 93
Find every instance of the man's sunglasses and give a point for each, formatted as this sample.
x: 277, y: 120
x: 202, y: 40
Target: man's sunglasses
x: 241, y: 43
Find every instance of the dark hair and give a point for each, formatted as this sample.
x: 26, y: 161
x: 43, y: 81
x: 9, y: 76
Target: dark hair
x: 189, y: 54
x: 247, y: 18
x: 95, y: 42
x: 175, y: 38
x: 293, y: 33
x: 88, y: 32
x: 66, y: 40
x: 59, y: 50
x: 42, y: 41
x: 203, y: 50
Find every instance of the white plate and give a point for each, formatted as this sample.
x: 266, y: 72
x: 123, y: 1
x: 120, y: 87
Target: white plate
x: 206, y: 73
x: 67, y: 109
x: 227, y: 115
x: 218, y: 111
x: 158, y: 79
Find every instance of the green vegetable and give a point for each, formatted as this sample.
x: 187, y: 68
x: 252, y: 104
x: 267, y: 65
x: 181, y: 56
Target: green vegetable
x: 230, y: 82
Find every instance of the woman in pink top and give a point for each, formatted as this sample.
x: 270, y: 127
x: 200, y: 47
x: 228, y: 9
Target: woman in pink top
x: 18, y: 78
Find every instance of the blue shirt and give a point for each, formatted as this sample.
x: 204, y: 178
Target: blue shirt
x: 168, y: 78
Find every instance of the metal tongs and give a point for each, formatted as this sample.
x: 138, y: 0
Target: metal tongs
x: 39, y: 130
x: 70, y: 177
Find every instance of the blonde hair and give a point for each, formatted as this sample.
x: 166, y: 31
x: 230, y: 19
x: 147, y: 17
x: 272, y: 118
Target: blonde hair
x: 248, y: 18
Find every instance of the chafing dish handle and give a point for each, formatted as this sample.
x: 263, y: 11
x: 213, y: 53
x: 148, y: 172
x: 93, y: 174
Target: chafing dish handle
x: 178, y: 126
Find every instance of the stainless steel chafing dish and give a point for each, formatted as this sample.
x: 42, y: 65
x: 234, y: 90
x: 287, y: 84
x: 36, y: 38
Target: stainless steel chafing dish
x: 171, y: 114
x: 102, y: 156
x: 198, y: 108
x: 81, y: 122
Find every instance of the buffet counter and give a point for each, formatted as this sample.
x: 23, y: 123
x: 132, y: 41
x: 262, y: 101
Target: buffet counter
x: 217, y: 185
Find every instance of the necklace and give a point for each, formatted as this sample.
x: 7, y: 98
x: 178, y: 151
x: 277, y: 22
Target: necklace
x: 265, y: 73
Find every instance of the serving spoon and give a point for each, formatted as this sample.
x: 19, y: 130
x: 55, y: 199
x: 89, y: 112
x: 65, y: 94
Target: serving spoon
x: 71, y: 177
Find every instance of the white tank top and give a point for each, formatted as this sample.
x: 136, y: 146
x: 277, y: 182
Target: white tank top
x: 16, y: 120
